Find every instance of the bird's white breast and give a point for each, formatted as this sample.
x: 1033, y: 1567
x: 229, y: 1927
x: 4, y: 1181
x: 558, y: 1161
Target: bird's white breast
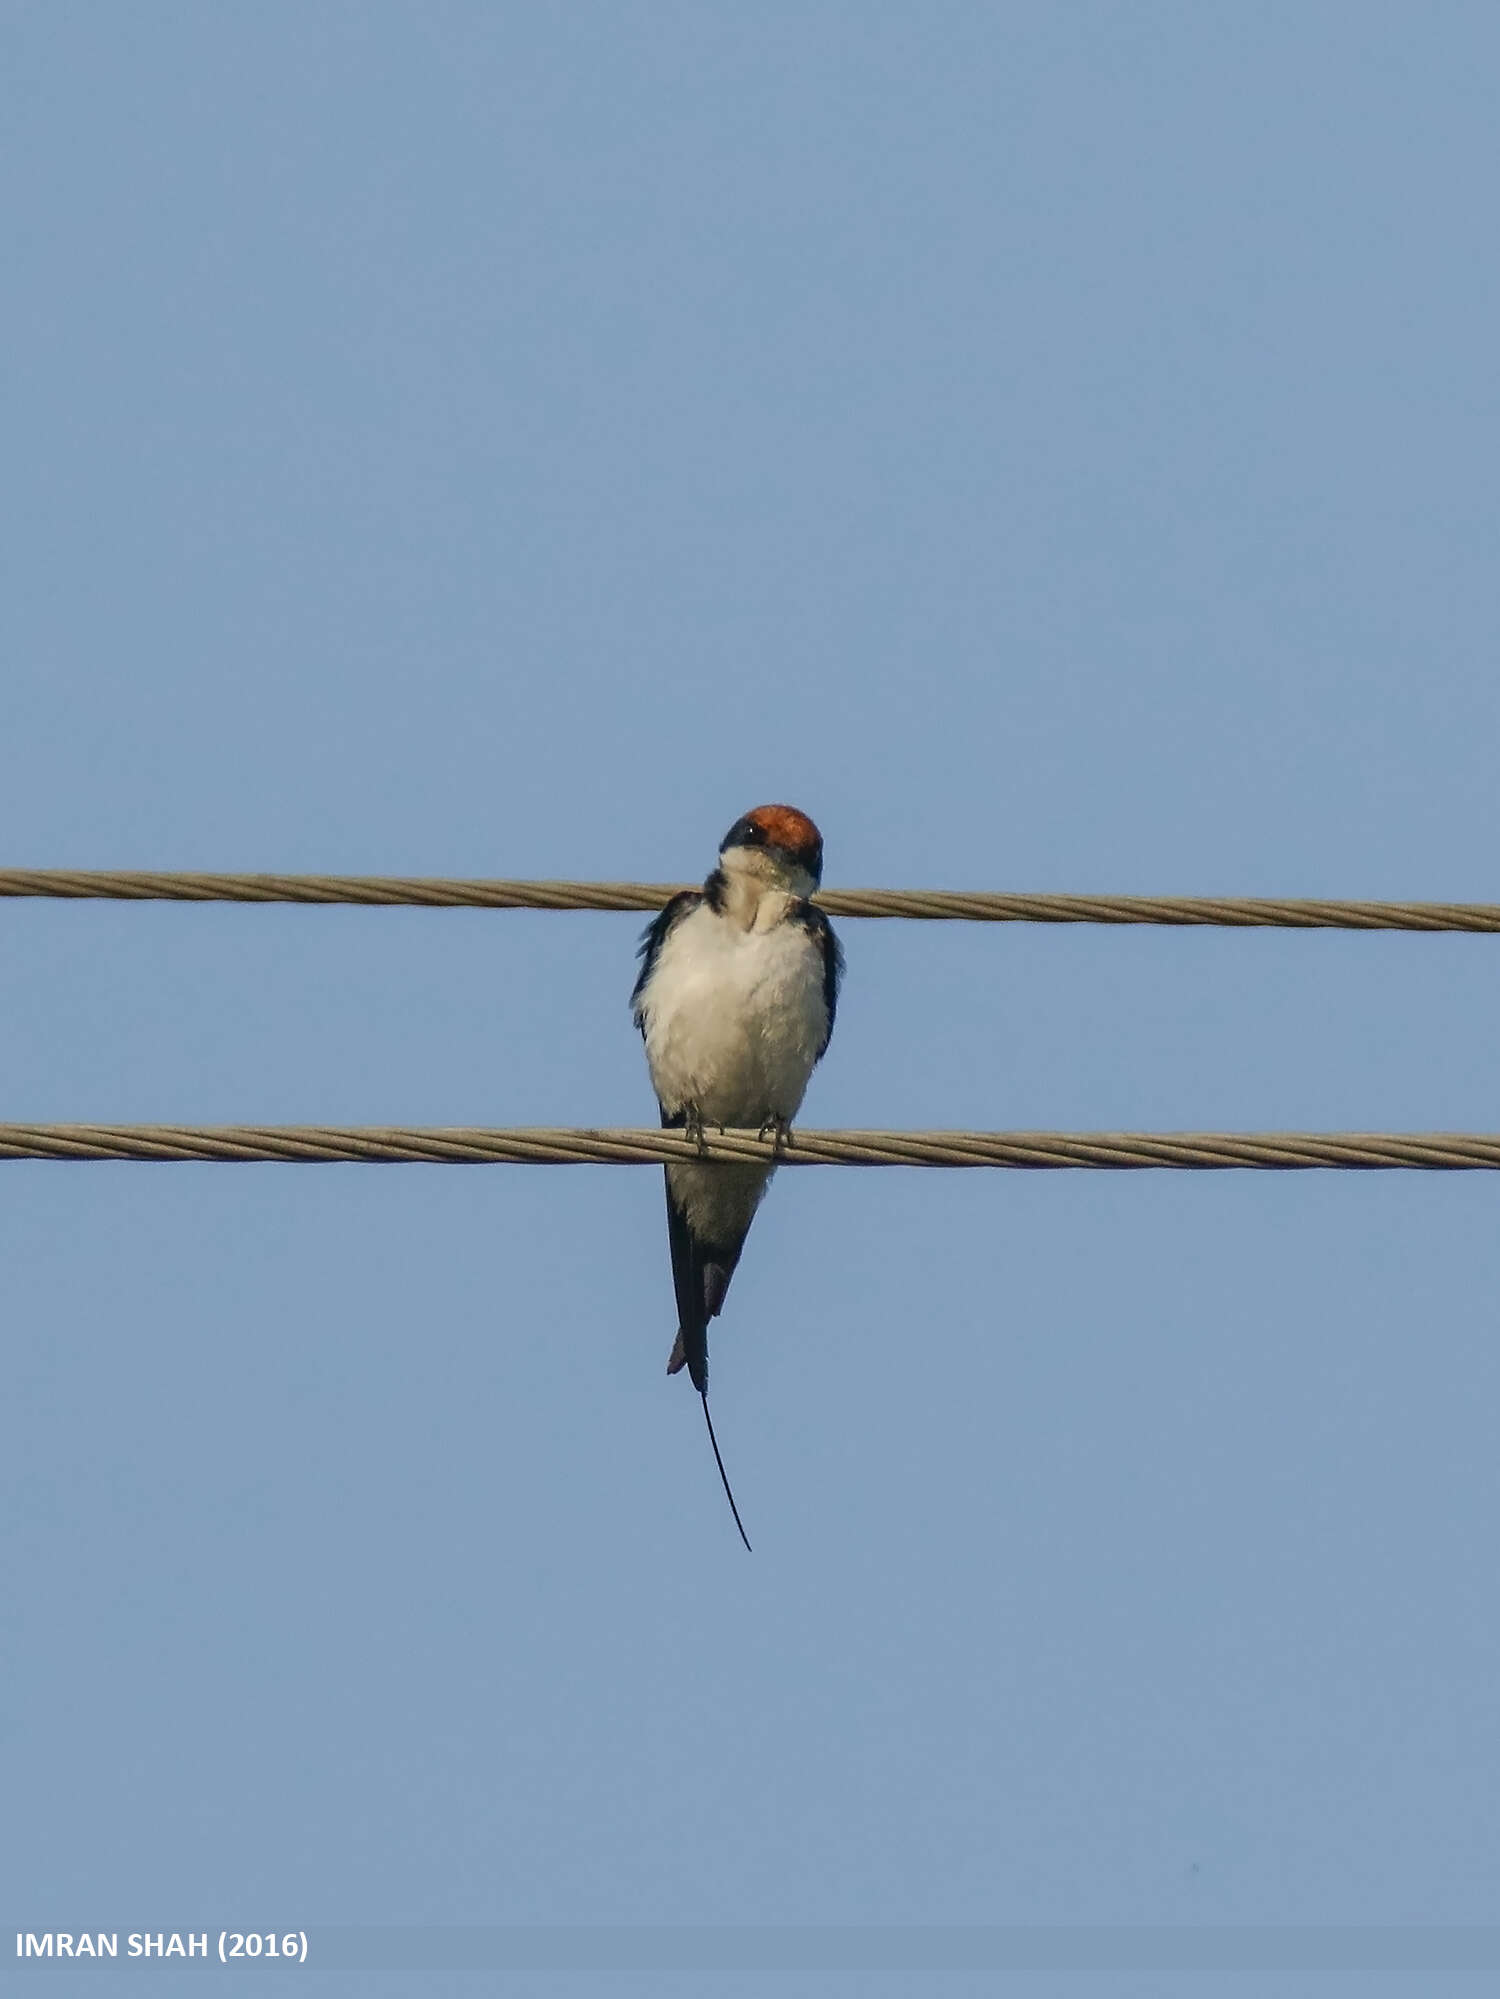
x: 735, y: 1015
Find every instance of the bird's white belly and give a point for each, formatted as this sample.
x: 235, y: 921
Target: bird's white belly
x: 734, y: 1019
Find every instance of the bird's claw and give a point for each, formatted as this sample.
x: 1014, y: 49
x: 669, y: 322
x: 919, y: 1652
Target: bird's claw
x: 779, y: 1131
x: 692, y: 1128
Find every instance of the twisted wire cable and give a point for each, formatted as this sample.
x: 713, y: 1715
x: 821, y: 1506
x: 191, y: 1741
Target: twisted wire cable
x: 933, y: 905
x: 1297, y: 1151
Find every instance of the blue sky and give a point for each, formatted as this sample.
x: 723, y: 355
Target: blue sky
x: 1054, y: 446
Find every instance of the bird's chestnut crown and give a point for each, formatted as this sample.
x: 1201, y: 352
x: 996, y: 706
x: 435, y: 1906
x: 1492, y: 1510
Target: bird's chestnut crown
x: 783, y: 832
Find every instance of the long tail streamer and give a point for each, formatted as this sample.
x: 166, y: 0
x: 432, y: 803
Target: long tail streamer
x: 724, y: 1476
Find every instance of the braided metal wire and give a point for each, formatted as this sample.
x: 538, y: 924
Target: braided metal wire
x: 460, y: 1146
x: 378, y: 891
x: 940, y: 905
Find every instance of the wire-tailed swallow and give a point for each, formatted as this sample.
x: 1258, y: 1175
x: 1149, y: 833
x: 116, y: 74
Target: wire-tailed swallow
x: 735, y: 1002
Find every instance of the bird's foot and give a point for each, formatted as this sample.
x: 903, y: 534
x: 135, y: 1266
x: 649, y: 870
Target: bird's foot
x: 692, y: 1127
x: 778, y: 1130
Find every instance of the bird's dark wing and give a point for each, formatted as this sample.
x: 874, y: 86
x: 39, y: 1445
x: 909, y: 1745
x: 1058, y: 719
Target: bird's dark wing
x: 695, y: 1276
x: 701, y: 1269
x: 688, y: 1263
x: 653, y: 937
x: 816, y: 924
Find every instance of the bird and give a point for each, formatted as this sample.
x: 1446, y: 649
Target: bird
x: 735, y: 1001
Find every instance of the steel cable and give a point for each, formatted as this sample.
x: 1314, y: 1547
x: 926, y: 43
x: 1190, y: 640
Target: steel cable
x: 477, y: 1146
x: 939, y: 905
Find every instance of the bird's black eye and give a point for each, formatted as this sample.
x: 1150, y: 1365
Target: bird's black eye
x: 744, y: 833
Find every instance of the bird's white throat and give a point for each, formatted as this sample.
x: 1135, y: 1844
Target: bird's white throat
x: 758, y: 885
